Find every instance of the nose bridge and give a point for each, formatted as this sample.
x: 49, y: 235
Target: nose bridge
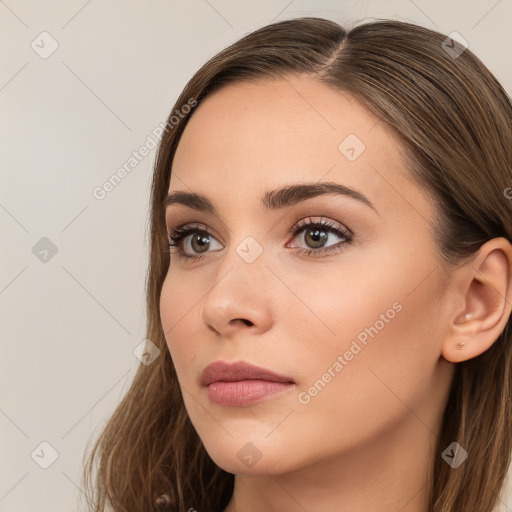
x: 244, y: 255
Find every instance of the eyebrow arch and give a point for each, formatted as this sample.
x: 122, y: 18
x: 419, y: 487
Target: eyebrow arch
x: 273, y: 200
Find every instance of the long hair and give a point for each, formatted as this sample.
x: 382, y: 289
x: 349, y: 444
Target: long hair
x: 454, y: 121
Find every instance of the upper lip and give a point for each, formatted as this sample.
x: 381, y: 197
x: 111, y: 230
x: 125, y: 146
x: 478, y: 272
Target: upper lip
x: 239, y: 370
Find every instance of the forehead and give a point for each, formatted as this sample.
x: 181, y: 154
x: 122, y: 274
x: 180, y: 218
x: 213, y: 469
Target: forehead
x: 251, y: 137
x: 289, y: 119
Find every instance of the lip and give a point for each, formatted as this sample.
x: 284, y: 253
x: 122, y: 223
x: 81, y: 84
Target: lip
x: 241, y: 383
x: 239, y: 371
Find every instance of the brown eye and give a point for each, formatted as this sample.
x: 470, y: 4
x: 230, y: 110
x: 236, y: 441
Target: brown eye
x: 316, y: 238
x: 316, y: 235
x: 199, y: 243
x: 196, y: 239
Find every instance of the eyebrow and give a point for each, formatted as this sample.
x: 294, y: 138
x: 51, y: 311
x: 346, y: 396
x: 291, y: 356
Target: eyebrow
x: 273, y: 200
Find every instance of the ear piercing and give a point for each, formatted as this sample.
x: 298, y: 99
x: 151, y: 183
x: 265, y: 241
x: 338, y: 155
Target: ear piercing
x: 459, y: 345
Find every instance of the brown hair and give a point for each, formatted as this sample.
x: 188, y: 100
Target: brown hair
x: 455, y: 122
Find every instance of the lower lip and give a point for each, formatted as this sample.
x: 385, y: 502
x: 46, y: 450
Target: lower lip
x: 245, y: 392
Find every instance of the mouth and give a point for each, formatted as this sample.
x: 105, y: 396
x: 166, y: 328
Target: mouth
x: 241, y: 384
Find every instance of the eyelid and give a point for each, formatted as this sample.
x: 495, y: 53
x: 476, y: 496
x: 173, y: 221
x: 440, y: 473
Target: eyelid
x: 304, y: 222
x: 196, y: 225
x: 326, y: 222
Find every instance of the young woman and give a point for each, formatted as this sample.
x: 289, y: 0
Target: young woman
x: 330, y: 283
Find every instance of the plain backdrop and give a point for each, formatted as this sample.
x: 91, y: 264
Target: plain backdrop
x: 82, y: 85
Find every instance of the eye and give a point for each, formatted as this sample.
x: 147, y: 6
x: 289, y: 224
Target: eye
x: 179, y: 237
x: 192, y: 241
x: 316, y: 234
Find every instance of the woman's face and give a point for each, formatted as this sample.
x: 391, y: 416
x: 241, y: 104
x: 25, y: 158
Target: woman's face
x: 356, y: 324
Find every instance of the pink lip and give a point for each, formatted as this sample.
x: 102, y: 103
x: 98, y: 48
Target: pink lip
x: 241, y: 383
x: 239, y: 370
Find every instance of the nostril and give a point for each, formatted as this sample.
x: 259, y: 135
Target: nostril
x: 245, y: 321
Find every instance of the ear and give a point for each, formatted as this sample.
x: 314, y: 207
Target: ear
x: 485, y: 287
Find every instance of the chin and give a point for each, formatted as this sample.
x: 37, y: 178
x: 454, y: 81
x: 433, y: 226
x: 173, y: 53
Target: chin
x: 249, y: 457
x: 263, y: 466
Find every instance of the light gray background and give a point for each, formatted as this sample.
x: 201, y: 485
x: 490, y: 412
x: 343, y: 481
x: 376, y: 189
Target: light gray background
x: 69, y: 325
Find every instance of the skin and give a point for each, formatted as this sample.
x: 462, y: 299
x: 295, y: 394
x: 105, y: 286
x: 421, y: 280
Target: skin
x: 366, y: 440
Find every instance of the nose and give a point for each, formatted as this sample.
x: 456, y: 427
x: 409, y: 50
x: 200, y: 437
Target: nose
x: 240, y: 299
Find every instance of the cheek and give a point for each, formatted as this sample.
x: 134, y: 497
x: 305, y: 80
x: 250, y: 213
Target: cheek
x: 382, y: 351
x: 376, y: 385
x: 357, y: 299
x: 378, y: 296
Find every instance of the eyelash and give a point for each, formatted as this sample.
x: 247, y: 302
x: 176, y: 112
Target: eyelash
x: 176, y: 236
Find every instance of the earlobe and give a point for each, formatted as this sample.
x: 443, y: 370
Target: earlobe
x: 486, y: 287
